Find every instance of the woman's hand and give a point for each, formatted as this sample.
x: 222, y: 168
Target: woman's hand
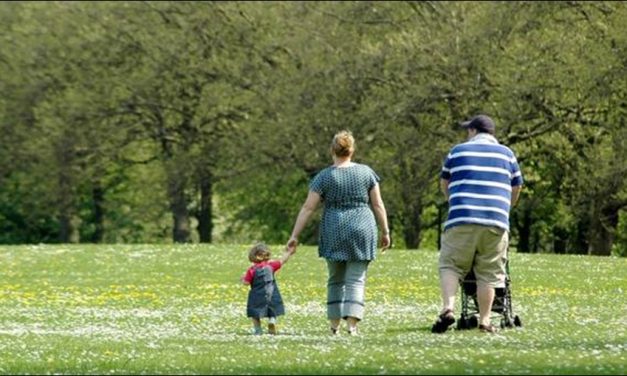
x: 292, y: 244
x: 385, y: 242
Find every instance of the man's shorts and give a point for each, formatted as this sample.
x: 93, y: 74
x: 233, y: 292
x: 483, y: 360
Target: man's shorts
x: 485, y: 245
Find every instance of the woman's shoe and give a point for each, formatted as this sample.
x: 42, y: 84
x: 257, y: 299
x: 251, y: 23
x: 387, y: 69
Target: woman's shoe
x: 335, y: 331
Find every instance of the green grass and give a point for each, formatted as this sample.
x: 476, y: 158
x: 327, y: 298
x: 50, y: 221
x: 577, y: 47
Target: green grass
x: 162, y: 309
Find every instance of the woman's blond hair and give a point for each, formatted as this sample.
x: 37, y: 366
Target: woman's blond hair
x: 343, y: 144
x: 259, y: 253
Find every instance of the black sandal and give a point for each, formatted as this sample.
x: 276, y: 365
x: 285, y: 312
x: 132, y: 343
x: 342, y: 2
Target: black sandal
x: 445, y: 319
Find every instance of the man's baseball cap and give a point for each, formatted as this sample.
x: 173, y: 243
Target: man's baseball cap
x: 481, y: 123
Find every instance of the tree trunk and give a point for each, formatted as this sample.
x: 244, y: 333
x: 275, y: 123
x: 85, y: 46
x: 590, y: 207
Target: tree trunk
x: 560, y: 240
x: 602, y: 232
x: 69, y: 225
x: 535, y: 241
x: 412, y: 226
x: 181, y: 232
x: 178, y: 205
x: 97, y: 195
x: 205, y: 222
x: 69, y: 222
x: 581, y: 241
x: 524, y: 231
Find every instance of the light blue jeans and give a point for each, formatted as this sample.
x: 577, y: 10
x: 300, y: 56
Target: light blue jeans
x: 346, y: 289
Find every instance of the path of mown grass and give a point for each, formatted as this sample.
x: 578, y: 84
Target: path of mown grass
x: 162, y: 309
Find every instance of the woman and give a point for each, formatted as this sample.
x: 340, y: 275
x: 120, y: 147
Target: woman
x: 348, y: 231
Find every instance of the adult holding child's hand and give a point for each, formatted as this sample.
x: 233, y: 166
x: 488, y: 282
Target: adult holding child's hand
x: 292, y: 244
x: 351, y: 199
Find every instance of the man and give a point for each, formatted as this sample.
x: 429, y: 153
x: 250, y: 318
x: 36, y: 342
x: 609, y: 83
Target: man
x: 481, y: 181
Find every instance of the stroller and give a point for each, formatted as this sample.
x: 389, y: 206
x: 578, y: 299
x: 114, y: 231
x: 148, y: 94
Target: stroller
x: 501, y: 305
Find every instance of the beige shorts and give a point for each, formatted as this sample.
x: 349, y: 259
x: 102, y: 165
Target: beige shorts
x: 485, y: 247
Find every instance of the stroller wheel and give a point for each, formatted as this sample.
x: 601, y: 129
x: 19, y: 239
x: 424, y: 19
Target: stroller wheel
x: 506, y: 322
x: 467, y: 322
x: 517, y: 321
x: 462, y: 323
x: 473, y: 322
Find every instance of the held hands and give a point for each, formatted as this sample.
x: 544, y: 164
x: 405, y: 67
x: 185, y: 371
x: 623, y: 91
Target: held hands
x: 290, y: 249
x: 291, y: 245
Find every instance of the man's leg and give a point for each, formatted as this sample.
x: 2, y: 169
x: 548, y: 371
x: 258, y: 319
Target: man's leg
x: 448, y: 289
x: 456, y: 255
x: 490, y: 271
x: 485, y: 298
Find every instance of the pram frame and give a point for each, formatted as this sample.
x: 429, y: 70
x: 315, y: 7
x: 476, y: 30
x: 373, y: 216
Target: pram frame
x: 502, y: 304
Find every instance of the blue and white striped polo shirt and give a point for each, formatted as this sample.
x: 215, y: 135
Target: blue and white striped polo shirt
x: 481, y: 174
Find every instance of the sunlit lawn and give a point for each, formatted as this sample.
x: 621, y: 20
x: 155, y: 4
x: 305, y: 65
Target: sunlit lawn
x: 159, y: 309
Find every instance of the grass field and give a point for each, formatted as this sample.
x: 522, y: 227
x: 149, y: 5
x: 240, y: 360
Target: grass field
x: 163, y: 309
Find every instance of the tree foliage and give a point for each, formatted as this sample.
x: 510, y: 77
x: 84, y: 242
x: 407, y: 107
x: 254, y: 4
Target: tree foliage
x: 205, y: 121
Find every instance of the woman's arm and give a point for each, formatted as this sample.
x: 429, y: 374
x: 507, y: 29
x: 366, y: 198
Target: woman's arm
x: 380, y: 213
x: 310, y: 205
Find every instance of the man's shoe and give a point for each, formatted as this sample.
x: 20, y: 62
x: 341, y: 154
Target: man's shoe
x: 444, y: 320
x: 488, y: 328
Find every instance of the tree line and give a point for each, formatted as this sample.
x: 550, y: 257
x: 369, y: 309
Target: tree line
x: 205, y: 121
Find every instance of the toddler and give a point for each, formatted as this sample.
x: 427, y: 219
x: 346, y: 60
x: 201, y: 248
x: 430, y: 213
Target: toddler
x: 264, y: 298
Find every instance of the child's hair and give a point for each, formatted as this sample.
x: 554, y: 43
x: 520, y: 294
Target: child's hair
x: 259, y: 253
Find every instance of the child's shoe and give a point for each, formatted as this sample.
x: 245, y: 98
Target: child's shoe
x: 272, y: 326
x: 352, y: 331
